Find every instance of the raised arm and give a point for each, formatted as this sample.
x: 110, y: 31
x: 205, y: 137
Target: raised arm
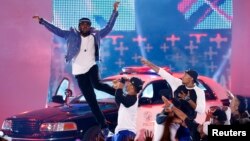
x: 127, y: 100
x: 173, y: 81
x: 111, y: 22
x: 150, y: 64
x: 52, y: 28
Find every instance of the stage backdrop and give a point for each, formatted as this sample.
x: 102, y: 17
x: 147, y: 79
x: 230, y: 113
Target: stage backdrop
x: 181, y: 34
x: 25, y: 52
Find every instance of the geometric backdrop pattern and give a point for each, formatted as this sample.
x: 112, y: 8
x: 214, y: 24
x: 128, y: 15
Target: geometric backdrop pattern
x: 181, y: 34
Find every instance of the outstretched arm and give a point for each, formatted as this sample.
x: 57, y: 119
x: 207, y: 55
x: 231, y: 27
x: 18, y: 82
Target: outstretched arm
x: 51, y: 27
x: 173, y: 81
x: 111, y: 22
x: 150, y: 64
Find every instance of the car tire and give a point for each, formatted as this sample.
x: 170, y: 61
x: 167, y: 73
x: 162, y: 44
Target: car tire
x: 92, y: 133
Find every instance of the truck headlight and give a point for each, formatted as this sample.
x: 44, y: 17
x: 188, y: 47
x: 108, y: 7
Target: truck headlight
x: 58, y: 126
x: 7, y: 125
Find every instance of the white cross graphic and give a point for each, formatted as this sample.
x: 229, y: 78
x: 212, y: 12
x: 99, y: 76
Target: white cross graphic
x: 120, y: 62
x: 148, y: 48
x: 210, y: 53
x: 177, y: 57
x: 193, y: 61
x: 136, y: 57
x: 121, y: 48
x: 191, y: 47
x: 164, y: 47
x: 212, y: 67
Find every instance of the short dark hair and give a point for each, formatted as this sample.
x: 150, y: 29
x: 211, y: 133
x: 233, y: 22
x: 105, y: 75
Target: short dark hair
x: 220, y: 115
x: 243, y: 104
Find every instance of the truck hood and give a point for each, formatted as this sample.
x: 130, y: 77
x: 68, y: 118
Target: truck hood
x: 62, y: 113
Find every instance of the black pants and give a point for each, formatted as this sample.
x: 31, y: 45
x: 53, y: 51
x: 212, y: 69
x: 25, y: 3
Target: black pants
x: 87, y: 82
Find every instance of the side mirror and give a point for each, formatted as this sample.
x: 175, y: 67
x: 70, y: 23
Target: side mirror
x: 58, y: 99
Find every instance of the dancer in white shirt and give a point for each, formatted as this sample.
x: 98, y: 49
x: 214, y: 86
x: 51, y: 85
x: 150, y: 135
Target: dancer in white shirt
x: 187, y: 96
x: 128, y: 105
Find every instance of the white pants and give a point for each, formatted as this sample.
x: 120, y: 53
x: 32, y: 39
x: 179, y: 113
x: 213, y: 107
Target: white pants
x: 159, y: 129
x: 173, y: 130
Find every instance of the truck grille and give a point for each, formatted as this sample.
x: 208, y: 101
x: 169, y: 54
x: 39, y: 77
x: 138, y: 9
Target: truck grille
x: 25, y: 126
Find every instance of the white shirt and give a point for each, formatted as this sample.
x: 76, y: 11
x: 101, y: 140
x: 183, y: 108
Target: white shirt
x: 86, y: 56
x: 127, y: 118
x: 176, y: 82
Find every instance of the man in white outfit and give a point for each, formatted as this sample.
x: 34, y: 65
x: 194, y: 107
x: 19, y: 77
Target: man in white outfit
x: 128, y: 106
x: 187, y: 96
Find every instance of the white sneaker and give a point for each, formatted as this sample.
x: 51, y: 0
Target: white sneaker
x: 105, y: 132
x: 110, y: 134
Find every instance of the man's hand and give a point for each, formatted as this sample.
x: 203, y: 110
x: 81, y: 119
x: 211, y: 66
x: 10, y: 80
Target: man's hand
x: 209, y: 115
x: 148, y: 135
x: 144, y: 61
x: 184, y: 96
x: 117, y: 84
x: 230, y: 95
x: 177, y: 120
x: 167, y: 103
x: 149, y: 64
x: 116, y: 5
x: 36, y: 18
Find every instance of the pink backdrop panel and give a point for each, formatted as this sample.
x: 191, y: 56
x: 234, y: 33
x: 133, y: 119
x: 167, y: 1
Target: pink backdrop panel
x: 240, y: 60
x: 25, y: 56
